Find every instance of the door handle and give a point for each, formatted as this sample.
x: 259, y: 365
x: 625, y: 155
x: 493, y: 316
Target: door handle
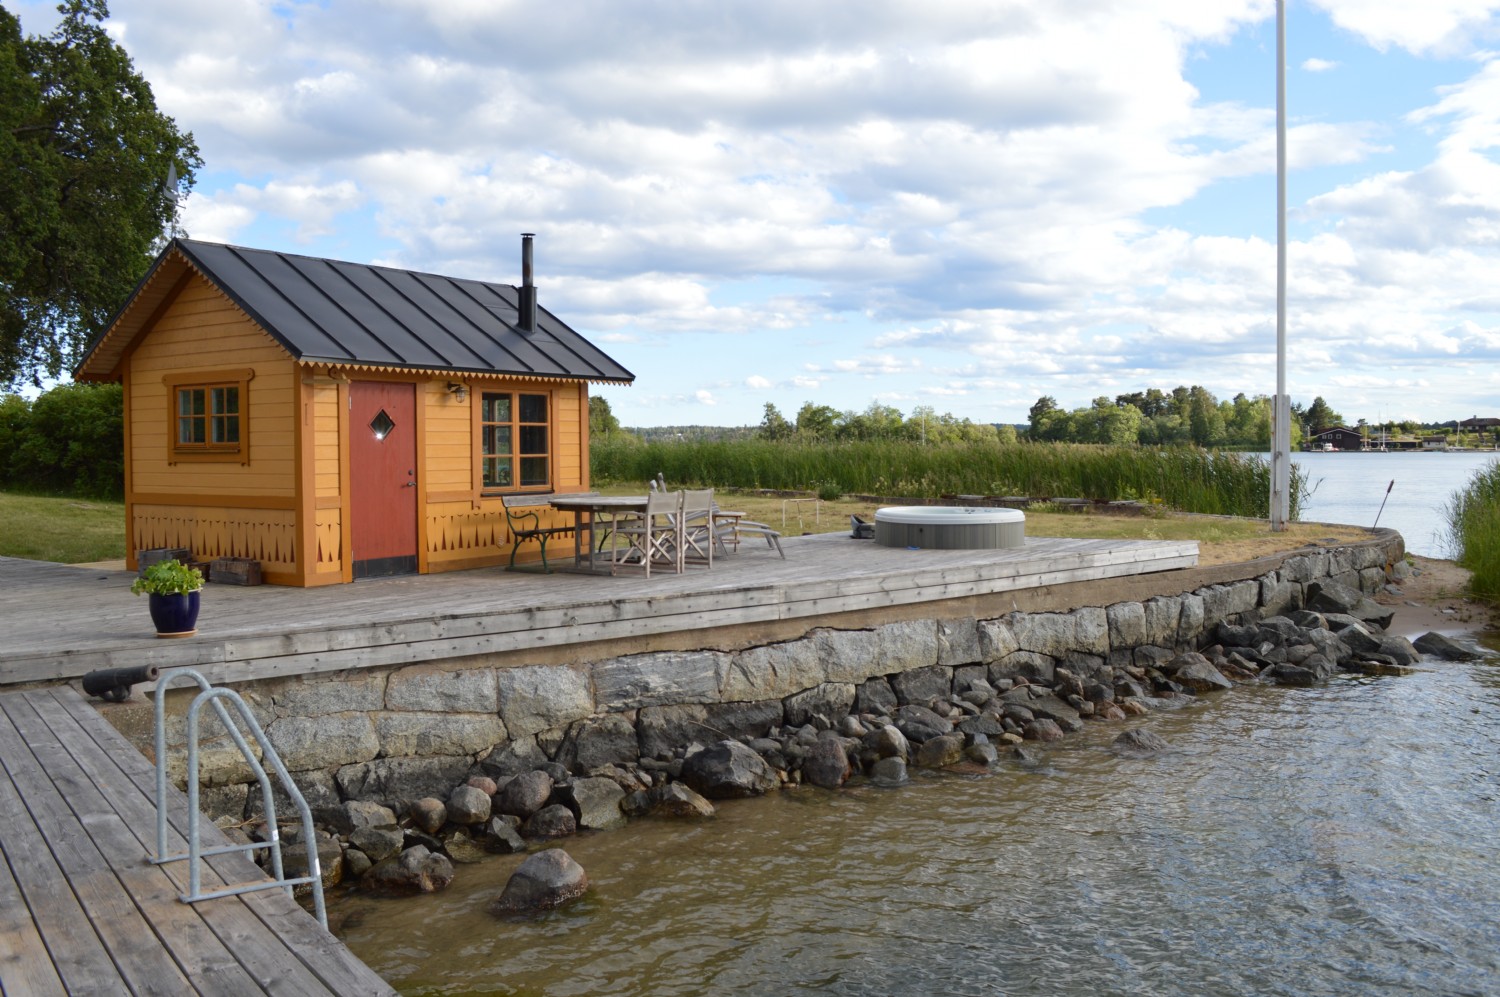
x: 410, y: 484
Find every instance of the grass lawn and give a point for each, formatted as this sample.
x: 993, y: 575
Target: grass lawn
x: 1221, y: 539
x: 76, y: 531
x: 68, y: 530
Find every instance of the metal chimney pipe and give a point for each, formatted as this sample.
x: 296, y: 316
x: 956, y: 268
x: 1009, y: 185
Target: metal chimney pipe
x: 527, y: 303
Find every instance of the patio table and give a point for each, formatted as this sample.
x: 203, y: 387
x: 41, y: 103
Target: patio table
x: 610, y: 507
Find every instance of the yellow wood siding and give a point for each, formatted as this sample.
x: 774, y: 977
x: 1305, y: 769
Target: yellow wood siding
x: 568, y: 470
x: 325, y: 439
x: 267, y: 535
x: 329, y: 557
x: 202, y: 331
x: 474, y: 533
x: 450, y: 445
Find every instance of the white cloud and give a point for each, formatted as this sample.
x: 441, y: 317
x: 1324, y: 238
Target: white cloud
x: 951, y: 200
x: 1429, y: 26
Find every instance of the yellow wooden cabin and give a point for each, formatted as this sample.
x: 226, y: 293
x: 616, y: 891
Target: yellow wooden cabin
x: 335, y: 420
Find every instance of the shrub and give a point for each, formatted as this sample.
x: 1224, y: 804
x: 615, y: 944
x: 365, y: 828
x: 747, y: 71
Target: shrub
x: 1185, y: 478
x: 70, y: 442
x: 1474, y: 530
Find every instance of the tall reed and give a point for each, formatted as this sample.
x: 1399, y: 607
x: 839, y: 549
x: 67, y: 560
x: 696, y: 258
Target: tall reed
x: 1185, y: 478
x: 1474, y: 530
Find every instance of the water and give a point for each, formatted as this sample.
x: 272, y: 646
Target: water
x: 1335, y: 840
x: 1327, y: 841
x: 1350, y: 487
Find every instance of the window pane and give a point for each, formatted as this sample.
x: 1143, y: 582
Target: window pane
x: 226, y: 401
x: 496, y: 441
x: 190, y: 401
x: 533, y: 408
x: 496, y: 408
x: 189, y: 430
x: 534, y: 439
x: 533, y: 470
x: 226, y: 429
x: 497, y: 472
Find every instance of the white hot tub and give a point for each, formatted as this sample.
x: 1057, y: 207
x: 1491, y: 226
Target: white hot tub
x: 942, y: 527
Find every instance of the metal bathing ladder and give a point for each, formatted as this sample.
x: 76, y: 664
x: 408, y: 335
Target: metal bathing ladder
x: 196, y: 852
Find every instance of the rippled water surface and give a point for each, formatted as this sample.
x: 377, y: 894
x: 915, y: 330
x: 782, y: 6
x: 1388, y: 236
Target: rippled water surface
x: 1352, y: 488
x: 1336, y: 840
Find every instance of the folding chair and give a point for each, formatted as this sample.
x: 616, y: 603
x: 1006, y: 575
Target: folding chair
x: 654, y: 537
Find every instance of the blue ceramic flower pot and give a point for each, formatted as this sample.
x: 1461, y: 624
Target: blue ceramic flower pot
x: 174, y: 615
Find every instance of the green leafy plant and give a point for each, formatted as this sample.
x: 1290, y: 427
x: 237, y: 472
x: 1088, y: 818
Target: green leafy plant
x: 169, y: 577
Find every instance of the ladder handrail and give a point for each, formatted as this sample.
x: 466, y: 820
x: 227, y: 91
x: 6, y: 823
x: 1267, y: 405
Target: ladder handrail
x: 196, y: 853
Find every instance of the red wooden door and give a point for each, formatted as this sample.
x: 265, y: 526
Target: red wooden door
x: 383, y: 478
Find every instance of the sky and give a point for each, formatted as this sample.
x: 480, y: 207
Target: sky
x: 963, y: 205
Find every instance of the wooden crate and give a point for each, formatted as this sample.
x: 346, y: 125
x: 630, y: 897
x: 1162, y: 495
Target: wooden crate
x: 236, y: 571
x: 145, y: 558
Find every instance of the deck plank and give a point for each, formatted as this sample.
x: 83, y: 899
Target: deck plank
x: 25, y: 965
x: 71, y: 782
x: 179, y: 927
x: 77, y: 953
x: 319, y: 962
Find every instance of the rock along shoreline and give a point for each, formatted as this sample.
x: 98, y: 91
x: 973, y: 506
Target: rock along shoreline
x: 1047, y: 675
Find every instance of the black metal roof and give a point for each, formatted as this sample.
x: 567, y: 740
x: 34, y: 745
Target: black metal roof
x: 329, y: 311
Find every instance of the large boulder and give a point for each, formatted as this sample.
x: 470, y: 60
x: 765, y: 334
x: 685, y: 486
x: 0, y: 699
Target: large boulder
x: 545, y: 880
x: 598, y: 802
x: 1436, y: 645
x: 941, y: 752
x: 920, y: 724
x: 525, y: 794
x: 415, y: 870
x: 552, y: 821
x: 599, y: 741
x: 1200, y: 675
x: 728, y: 770
x: 676, y: 800
x: 1139, y: 741
x: 826, y: 763
x: 468, y: 805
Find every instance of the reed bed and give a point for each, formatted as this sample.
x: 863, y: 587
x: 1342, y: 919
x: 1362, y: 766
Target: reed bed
x: 1474, y: 530
x: 1184, y: 478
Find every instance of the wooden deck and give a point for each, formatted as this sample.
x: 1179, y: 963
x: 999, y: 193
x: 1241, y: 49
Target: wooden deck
x: 83, y: 912
x: 62, y: 622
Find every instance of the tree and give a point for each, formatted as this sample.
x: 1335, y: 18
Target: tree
x: 84, y: 158
x: 773, y: 425
x: 1204, y: 417
x: 817, y: 421
x: 1038, y: 413
x: 1320, y: 416
x: 602, y: 421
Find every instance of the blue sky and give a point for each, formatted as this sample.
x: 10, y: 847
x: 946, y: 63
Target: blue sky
x: 963, y: 206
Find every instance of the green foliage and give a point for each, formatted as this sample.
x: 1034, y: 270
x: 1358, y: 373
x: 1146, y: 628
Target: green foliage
x: 1474, y: 530
x: 1320, y: 416
x: 1185, y: 478
x: 773, y: 425
x: 602, y: 419
x: 84, y: 157
x: 169, y: 577
x: 70, y: 441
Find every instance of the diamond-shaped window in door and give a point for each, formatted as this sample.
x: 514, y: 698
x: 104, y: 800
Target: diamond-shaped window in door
x: 382, y: 425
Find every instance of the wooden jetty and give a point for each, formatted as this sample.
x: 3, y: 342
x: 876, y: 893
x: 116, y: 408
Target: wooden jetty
x: 82, y: 911
x: 65, y: 621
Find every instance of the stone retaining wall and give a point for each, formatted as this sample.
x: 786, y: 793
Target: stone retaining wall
x: 397, y: 734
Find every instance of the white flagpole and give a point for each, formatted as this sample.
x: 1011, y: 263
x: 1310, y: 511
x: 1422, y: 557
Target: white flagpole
x: 1281, y: 429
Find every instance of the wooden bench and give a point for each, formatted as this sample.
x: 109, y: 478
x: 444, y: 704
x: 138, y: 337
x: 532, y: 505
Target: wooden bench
x: 519, y: 509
